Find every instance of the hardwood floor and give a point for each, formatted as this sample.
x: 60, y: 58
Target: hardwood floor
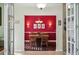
x: 1, y: 48
x: 2, y: 52
x: 37, y: 53
x: 40, y: 53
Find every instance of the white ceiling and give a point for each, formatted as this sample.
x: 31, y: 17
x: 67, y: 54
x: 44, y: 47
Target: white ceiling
x: 34, y: 5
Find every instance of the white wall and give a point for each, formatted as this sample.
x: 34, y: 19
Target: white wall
x: 1, y: 27
x: 21, y: 9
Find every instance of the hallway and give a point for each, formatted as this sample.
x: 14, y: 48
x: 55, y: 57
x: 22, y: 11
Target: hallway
x: 35, y: 31
x: 25, y: 24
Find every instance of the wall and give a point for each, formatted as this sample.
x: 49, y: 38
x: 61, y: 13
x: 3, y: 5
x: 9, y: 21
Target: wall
x: 22, y: 9
x: 50, y: 28
x: 1, y: 27
x: 45, y: 19
x: 31, y: 20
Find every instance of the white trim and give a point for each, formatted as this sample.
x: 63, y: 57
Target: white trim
x: 6, y: 29
x: 51, y: 40
x: 48, y: 40
x: 59, y: 50
x: 66, y: 29
x: 40, y: 15
x: 41, y: 32
x: 27, y: 40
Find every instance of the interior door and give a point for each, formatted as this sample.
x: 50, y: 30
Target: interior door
x: 77, y: 22
x: 8, y: 29
x: 71, y: 28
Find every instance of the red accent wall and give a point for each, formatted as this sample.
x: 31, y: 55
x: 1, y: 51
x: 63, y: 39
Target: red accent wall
x: 46, y: 20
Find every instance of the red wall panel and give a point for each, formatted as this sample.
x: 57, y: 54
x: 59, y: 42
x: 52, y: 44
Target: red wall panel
x: 46, y: 20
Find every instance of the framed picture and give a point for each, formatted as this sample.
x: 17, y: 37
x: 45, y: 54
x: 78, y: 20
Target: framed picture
x: 39, y: 26
x: 0, y: 16
x: 35, y: 26
x: 43, y: 26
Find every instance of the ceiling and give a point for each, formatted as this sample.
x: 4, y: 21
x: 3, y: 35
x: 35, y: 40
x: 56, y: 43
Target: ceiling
x: 50, y: 5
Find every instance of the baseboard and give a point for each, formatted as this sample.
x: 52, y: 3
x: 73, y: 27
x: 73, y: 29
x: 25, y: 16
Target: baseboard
x: 18, y: 50
x: 59, y: 50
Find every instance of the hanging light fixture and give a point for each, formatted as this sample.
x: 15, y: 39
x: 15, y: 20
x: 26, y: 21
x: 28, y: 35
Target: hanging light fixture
x: 41, y: 5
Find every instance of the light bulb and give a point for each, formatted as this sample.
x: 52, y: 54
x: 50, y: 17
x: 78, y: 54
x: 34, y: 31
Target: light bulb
x: 41, y: 5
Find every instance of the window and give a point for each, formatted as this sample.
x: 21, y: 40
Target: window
x: 68, y: 47
x: 72, y: 48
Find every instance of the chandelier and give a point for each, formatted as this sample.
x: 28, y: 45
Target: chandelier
x: 41, y: 5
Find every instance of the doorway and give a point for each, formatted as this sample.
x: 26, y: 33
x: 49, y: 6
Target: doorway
x: 40, y: 33
x: 1, y: 30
